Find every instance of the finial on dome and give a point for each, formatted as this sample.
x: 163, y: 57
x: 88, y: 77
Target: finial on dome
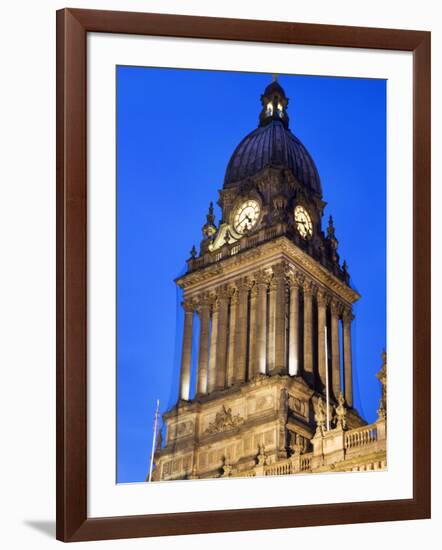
x: 274, y: 104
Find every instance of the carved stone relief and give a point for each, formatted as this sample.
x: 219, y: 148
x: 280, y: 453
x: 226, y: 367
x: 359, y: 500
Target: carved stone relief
x: 224, y: 420
x: 182, y: 429
x: 260, y: 403
x: 297, y: 406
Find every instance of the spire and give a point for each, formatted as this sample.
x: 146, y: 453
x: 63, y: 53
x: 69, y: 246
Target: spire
x: 210, y: 216
x: 332, y: 240
x: 274, y: 104
x: 209, y: 228
x: 331, y: 227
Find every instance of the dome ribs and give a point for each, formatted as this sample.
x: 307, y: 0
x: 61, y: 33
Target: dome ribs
x: 249, y: 157
x: 275, y: 145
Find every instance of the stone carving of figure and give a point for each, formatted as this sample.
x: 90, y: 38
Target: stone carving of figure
x: 297, y: 443
x: 320, y: 417
x: 227, y: 467
x: 261, y: 457
x: 341, y: 413
x: 382, y: 377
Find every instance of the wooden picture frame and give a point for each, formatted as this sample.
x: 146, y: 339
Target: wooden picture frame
x: 73, y: 523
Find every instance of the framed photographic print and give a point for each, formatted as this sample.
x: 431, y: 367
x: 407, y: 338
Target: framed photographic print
x: 243, y: 282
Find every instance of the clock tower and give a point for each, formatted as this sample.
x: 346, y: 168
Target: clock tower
x: 274, y: 301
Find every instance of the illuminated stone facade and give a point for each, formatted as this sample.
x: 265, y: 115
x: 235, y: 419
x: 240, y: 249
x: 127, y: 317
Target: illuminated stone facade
x: 275, y: 313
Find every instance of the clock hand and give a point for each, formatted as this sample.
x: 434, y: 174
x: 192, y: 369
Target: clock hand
x: 245, y: 218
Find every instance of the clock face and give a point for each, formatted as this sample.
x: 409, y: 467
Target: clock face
x: 246, y: 216
x: 303, y: 222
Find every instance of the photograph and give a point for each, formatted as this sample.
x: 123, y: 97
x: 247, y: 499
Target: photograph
x: 251, y: 274
x: 217, y: 284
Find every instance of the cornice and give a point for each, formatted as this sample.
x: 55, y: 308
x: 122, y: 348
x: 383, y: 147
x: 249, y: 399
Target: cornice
x: 262, y: 256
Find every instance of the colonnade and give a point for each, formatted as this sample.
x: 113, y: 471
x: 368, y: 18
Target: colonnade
x: 269, y: 323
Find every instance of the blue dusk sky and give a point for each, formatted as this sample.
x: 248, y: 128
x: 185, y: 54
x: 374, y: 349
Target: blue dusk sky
x: 176, y: 130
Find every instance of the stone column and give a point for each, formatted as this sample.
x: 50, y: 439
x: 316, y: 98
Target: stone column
x: 221, y: 346
x: 293, y: 325
x: 335, y: 349
x: 213, y: 345
x: 308, y: 331
x: 252, y: 331
x: 186, y: 351
x: 280, y: 303
x: 241, y: 331
x: 261, y: 284
x: 271, y: 327
x: 232, y: 337
x: 348, y: 374
x: 203, y: 352
x: 322, y: 305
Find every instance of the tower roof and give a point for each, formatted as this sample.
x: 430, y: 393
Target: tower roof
x: 273, y: 144
x: 273, y: 87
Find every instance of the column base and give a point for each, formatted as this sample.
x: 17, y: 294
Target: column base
x: 278, y: 370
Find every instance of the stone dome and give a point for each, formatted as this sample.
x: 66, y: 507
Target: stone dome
x: 273, y: 144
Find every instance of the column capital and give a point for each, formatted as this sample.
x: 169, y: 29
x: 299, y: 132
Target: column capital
x: 233, y: 295
x: 295, y: 279
x: 244, y: 284
x: 213, y: 301
x: 223, y: 292
x: 254, y: 291
x: 280, y: 270
x: 262, y: 277
x: 189, y: 306
x: 322, y: 297
x: 202, y: 302
x: 279, y: 276
x: 335, y: 307
x: 308, y: 287
x: 347, y: 315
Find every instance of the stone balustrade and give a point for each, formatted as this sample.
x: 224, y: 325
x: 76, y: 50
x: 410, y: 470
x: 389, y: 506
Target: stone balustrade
x: 305, y: 462
x: 250, y: 241
x: 294, y: 465
x: 338, y: 445
x: 361, y: 437
x: 281, y: 468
